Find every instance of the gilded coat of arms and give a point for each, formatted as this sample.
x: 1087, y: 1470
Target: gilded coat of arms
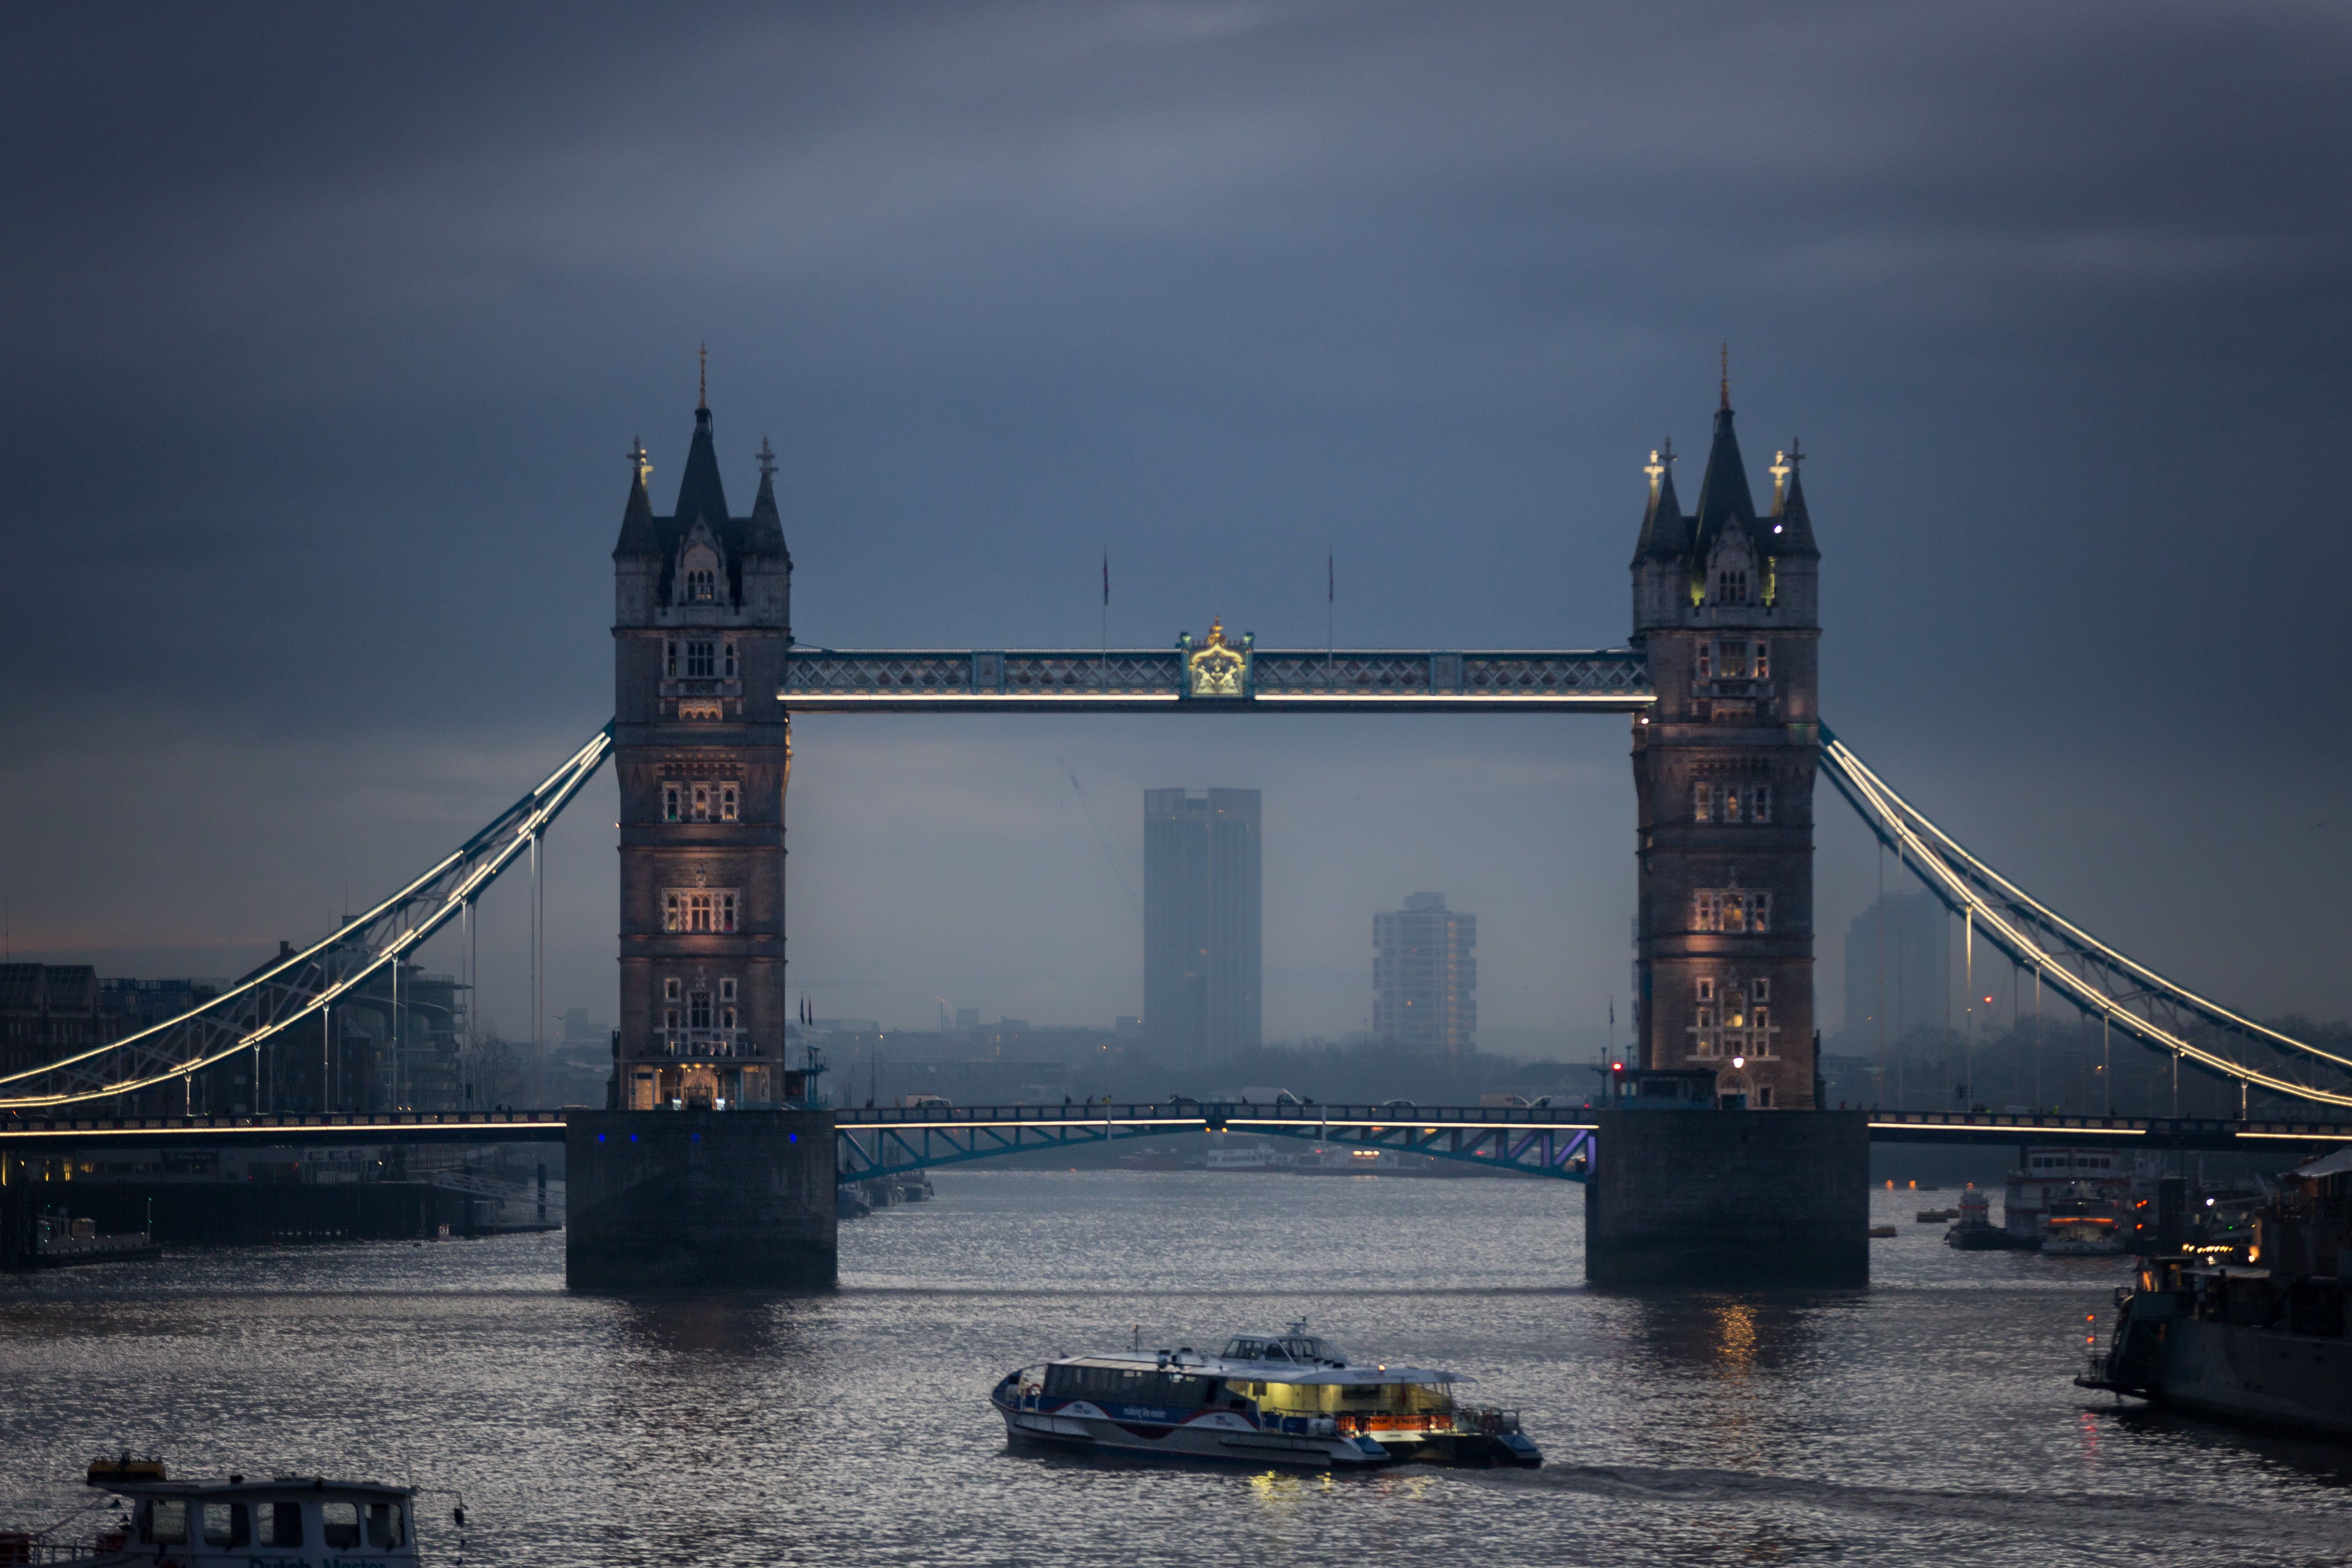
x: 1216, y: 668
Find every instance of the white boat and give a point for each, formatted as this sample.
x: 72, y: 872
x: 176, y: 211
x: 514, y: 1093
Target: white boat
x: 1267, y: 1399
x: 286, y: 1521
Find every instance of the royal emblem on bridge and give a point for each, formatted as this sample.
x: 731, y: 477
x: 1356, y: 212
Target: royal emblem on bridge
x: 1216, y: 668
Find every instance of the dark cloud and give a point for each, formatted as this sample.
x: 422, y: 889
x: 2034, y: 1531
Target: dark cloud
x: 326, y: 331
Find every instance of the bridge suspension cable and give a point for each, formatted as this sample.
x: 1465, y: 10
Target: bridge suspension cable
x: 2101, y: 981
x: 300, y: 984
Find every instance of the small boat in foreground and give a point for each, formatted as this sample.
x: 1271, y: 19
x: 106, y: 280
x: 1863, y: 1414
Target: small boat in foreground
x: 1268, y: 1399
x: 286, y: 1521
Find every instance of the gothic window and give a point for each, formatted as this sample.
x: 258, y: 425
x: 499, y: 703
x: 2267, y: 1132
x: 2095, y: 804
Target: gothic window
x: 1759, y: 803
x: 1706, y: 661
x: 701, y: 659
x: 1763, y: 661
x: 1707, y: 910
x: 701, y: 807
x: 727, y: 658
x: 727, y: 989
x: 673, y: 802
x: 1707, y: 989
x: 1703, y: 802
x: 700, y: 576
x: 697, y: 1010
x: 1761, y: 990
x: 730, y: 804
x: 1731, y: 802
x: 1731, y: 587
x: 671, y: 992
x: 1731, y: 658
x: 669, y: 657
x: 694, y: 911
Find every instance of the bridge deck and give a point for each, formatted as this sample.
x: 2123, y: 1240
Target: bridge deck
x: 1464, y: 1131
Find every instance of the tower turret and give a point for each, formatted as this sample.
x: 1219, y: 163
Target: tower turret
x: 1726, y: 610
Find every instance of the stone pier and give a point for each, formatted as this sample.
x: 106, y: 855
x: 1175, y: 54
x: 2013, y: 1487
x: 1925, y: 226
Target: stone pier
x: 685, y: 1199
x: 1729, y: 1199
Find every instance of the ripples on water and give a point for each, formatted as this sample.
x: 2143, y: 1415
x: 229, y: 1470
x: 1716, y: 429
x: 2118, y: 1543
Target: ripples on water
x: 1928, y: 1419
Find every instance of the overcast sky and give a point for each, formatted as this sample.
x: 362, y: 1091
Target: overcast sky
x: 327, y: 329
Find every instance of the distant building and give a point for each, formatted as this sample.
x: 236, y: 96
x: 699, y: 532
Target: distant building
x: 1423, y: 977
x: 1203, y: 943
x: 49, y: 1011
x: 1901, y: 971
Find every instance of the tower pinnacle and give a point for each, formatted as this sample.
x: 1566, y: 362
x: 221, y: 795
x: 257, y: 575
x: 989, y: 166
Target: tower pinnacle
x: 1727, y: 376
x: 702, y: 380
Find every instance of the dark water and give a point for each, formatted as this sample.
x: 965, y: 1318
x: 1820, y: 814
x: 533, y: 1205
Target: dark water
x: 1929, y: 1419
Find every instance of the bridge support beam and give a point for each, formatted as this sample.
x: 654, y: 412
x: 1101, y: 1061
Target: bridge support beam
x: 1729, y: 1199
x: 695, y: 1199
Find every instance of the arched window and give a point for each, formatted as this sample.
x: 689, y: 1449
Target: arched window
x: 698, y: 576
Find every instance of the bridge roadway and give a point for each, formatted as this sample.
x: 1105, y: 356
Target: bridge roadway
x: 1541, y: 1140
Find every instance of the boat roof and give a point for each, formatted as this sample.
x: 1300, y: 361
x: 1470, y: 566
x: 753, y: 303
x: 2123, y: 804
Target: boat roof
x: 1292, y: 1372
x: 274, y: 1487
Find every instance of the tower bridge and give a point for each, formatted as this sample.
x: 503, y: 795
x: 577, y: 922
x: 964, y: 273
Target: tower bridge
x: 1719, y: 679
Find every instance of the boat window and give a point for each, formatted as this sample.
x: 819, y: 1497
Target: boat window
x: 338, y: 1524
x: 1359, y: 1391
x: 278, y: 1525
x: 1242, y: 1350
x: 225, y: 1524
x: 167, y: 1522
x: 384, y: 1524
x: 1121, y: 1385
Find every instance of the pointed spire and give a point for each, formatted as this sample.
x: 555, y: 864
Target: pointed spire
x: 1664, y: 529
x: 1725, y: 407
x: 637, y: 537
x: 1792, y: 525
x: 702, y: 378
x: 765, y: 534
x: 1723, y: 497
x: 699, y: 492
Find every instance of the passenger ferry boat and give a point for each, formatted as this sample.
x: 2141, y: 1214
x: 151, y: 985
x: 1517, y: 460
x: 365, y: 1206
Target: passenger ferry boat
x: 1268, y: 1399
x: 286, y: 1522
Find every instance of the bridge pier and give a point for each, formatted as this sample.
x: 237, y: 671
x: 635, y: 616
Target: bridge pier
x: 1729, y: 1199
x: 695, y: 1199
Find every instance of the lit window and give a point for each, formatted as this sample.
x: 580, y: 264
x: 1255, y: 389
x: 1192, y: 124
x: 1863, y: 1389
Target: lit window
x: 1763, y: 1020
x: 729, y: 802
x: 1730, y: 909
x: 1703, y: 802
x: 669, y: 657
x: 1763, y: 661
x: 1731, y: 660
x: 1707, y: 912
x: 726, y: 911
x: 701, y: 712
x: 671, y: 801
x: 702, y: 802
x: 697, y: 910
x: 1731, y: 802
x: 701, y: 659
x: 1759, y: 803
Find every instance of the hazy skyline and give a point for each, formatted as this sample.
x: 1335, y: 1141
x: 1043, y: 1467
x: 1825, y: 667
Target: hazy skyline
x: 328, y: 331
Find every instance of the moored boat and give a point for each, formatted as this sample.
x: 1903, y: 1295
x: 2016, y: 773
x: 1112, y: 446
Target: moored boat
x: 286, y: 1521
x: 1266, y: 1399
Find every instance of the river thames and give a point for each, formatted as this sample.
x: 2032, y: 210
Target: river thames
x: 1930, y: 1419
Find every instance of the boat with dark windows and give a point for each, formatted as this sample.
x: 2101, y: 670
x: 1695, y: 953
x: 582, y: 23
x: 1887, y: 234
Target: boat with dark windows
x: 1266, y: 1399
x: 286, y: 1521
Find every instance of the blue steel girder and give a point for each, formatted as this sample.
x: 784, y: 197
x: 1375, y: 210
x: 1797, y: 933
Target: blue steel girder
x: 1534, y: 1140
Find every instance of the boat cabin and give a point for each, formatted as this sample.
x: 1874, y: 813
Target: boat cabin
x: 298, y: 1522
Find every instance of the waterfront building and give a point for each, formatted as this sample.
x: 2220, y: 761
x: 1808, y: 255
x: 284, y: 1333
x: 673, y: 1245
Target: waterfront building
x: 1726, y: 611
x: 1203, y: 943
x: 1423, y: 977
x: 702, y: 616
x: 51, y: 1010
x: 1899, y: 970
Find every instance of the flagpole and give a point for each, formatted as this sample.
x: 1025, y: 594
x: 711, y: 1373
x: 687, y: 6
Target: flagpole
x: 1331, y: 601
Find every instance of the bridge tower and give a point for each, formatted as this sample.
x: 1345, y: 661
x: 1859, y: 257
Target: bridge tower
x: 703, y: 617
x: 1726, y: 607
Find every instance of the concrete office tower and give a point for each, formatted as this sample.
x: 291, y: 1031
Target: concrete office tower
x: 1202, y: 944
x: 1423, y: 977
x: 1725, y: 608
x: 1900, y: 971
x: 702, y: 617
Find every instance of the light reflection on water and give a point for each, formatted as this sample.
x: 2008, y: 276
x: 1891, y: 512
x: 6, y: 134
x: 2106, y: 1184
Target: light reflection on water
x: 1930, y: 1417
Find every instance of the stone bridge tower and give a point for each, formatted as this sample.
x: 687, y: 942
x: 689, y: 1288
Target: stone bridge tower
x: 1726, y: 607
x: 702, y: 617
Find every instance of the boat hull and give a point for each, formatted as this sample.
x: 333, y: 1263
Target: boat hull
x: 2260, y: 1376
x: 1227, y: 1436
